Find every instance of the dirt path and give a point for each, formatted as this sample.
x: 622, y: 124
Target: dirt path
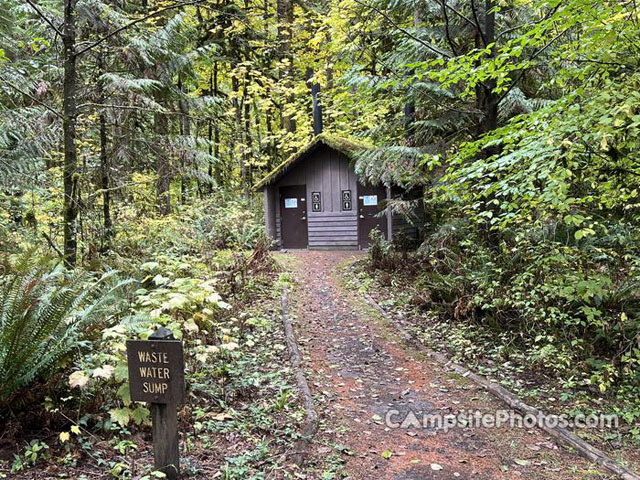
x: 359, y: 372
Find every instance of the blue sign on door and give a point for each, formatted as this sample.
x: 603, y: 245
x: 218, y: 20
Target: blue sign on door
x: 370, y: 200
x: 290, y: 203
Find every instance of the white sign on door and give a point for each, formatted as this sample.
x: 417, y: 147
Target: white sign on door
x: 290, y: 203
x: 370, y: 200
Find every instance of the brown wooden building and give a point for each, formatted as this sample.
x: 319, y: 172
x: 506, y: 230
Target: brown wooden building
x: 315, y: 200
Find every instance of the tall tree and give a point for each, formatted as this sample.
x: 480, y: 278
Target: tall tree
x: 69, y: 112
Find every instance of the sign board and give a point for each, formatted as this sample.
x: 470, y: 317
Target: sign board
x: 316, y: 202
x: 370, y: 200
x: 290, y: 203
x: 346, y: 200
x: 156, y: 371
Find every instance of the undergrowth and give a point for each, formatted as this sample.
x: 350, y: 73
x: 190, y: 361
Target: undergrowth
x: 241, y: 412
x: 548, y: 315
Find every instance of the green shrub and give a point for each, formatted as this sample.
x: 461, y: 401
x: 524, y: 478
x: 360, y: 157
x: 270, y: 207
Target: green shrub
x: 388, y: 255
x: 568, y: 307
x: 235, y: 224
x: 197, y: 230
x: 43, y: 314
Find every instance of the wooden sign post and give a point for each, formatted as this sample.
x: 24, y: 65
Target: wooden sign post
x: 156, y: 376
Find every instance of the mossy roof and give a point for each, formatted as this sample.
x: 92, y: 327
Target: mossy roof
x: 348, y: 146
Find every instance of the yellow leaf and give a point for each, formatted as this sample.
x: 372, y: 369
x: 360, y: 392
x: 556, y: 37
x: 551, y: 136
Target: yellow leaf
x: 191, y: 326
x: 222, y: 416
x: 103, y: 372
x: 64, y: 436
x: 202, y: 357
x: 78, y: 379
x: 75, y: 429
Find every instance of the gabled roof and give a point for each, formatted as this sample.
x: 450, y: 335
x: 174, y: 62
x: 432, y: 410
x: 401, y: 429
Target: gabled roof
x: 348, y: 146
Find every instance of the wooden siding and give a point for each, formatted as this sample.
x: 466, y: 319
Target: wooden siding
x: 327, y: 171
x: 333, y: 230
x: 400, y: 223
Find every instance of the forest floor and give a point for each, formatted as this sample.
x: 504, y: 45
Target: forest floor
x: 360, y: 370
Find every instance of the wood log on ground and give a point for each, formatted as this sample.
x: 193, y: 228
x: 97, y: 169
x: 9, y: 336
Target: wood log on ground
x: 311, y: 422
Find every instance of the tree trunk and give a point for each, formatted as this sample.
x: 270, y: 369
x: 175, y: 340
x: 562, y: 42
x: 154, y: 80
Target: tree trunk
x: 196, y: 166
x: 210, y: 135
x: 272, y: 155
x: 248, y: 140
x: 105, y: 184
x: 214, y: 148
x: 491, y: 99
x: 163, y: 183
x: 410, y: 106
x: 284, y: 10
x: 185, y: 127
x: 257, y: 127
x: 104, y: 158
x: 238, y: 134
x: 487, y: 99
x: 487, y: 103
x: 69, y: 112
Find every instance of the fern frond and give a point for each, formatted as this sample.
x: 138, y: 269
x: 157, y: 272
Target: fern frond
x: 43, y: 313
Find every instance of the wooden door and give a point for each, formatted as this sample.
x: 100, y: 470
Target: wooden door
x: 293, y: 216
x: 370, y: 204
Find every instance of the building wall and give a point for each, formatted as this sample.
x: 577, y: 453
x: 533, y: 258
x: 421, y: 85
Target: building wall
x: 400, y: 223
x: 326, y: 171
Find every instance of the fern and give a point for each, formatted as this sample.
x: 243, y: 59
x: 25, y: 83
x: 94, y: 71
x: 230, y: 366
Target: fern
x: 119, y: 83
x: 43, y: 314
x: 25, y: 138
x: 391, y: 165
x: 515, y: 103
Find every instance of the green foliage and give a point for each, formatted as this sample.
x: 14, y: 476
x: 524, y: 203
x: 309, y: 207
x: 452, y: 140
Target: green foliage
x: 43, y: 314
x: 187, y: 305
x: 555, y: 308
x: 192, y: 296
x: 379, y: 250
x: 192, y: 230
x: 532, y: 246
x: 561, y: 292
x: 34, y: 451
x: 219, y: 303
x: 545, y: 245
x: 239, y: 467
x: 576, y: 169
x: 231, y: 224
